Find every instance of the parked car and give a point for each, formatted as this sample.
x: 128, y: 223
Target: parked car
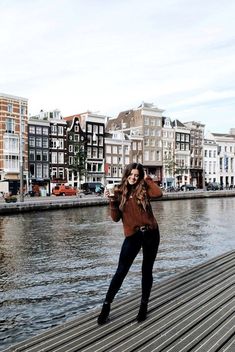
x: 213, y: 186
x: 90, y: 187
x: 188, y: 187
x: 64, y: 190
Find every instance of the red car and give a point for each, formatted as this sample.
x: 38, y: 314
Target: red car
x: 64, y: 190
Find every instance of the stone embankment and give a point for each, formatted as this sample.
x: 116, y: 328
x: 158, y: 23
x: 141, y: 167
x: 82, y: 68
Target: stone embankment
x: 53, y: 203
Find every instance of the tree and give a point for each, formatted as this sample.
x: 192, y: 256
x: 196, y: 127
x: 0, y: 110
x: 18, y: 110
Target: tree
x: 79, y: 159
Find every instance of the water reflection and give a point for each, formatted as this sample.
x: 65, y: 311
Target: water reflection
x: 55, y: 265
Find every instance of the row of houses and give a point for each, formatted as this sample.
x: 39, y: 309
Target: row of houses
x: 48, y: 148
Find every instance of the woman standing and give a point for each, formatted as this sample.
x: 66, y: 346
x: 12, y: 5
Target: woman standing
x: 131, y: 203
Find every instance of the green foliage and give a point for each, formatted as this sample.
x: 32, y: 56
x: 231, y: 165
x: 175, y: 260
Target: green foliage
x: 79, y: 159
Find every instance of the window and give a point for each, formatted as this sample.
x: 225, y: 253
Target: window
x: 53, y: 129
x: 45, y: 170
x: 38, y: 142
x: 39, y: 155
x: 39, y: 170
x: 100, y: 140
x: 108, y: 148
x: 70, y: 160
x: 146, y: 155
x: 44, y: 142
x: 158, y: 133
x: 60, y: 143
x: 108, y: 159
x: 100, y: 153
x: 146, y: 120
x: 94, y: 153
x: 11, y: 144
x: 54, y: 173
x: 32, y: 170
x: 10, y: 125
x: 60, y: 130
x: 31, y: 141
x: 158, y: 155
x: 152, y: 155
x: 89, y: 152
x: 60, y: 158
x: 32, y: 129
x: 45, y: 155
x: 9, y: 107
x: 11, y: 162
x: 22, y: 110
x: 114, y: 171
x: 146, y: 132
x: 158, y: 122
x: 38, y: 130
x: 89, y: 139
x: 54, y: 143
x: 45, y: 131
x: 32, y: 155
x: 54, y: 158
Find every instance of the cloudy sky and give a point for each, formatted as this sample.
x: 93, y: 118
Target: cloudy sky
x: 110, y: 55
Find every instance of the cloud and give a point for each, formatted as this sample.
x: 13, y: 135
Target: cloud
x: 111, y: 55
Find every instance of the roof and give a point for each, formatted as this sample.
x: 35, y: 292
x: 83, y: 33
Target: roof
x: 177, y: 123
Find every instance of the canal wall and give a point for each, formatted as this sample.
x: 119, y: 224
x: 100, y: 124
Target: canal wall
x: 55, y: 203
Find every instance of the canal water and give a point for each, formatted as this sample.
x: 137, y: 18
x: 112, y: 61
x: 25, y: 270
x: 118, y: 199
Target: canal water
x: 56, y: 265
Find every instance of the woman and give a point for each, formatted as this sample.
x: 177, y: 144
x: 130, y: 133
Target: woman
x: 131, y: 203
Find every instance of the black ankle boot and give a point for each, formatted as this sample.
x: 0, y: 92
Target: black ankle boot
x: 142, y: 315
x: 104, y: 314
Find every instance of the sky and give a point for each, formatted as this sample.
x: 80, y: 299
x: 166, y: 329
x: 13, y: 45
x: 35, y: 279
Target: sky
x: 107, y: 56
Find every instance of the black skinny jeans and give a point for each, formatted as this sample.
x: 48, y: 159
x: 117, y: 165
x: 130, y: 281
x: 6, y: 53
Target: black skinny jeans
x: 149, y: 241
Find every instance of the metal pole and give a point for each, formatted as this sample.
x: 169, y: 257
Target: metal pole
x: 21, y: 160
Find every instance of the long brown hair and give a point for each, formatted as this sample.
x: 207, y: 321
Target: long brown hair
x: 139, y: 190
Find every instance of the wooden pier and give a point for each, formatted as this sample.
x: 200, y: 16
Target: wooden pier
x: 193, y: 311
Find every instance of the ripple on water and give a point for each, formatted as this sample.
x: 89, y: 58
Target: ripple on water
x: 59, y: 264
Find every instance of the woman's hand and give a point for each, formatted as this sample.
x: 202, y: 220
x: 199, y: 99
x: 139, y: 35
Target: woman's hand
x: 106, y: 193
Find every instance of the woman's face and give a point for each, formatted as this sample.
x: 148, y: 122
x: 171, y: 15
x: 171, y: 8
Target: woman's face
x: 133, y: 177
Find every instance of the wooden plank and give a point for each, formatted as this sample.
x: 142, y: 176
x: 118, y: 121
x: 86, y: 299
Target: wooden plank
x: 218, y: 337
x: 110, y: 327
x: 91, y: 337
x: 229, y: 346
x: 163, y: 328
x: 178, y: 310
